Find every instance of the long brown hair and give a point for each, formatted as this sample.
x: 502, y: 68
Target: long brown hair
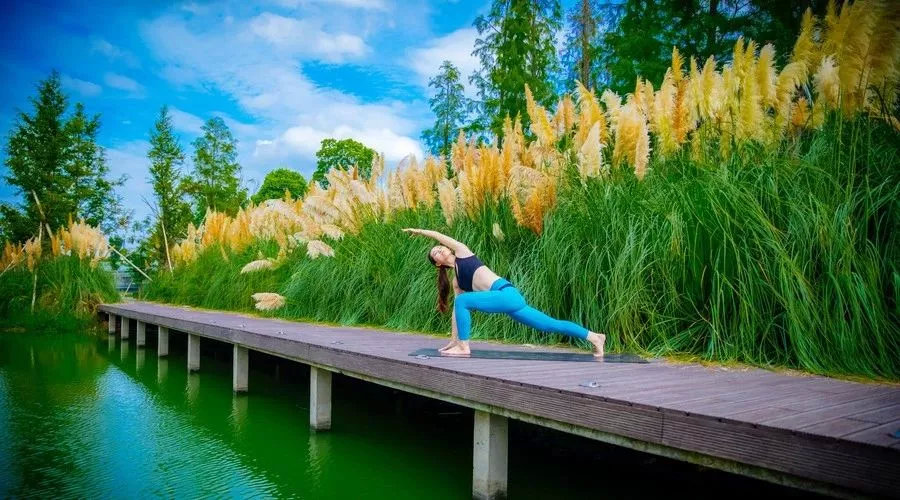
x: 443, y: 284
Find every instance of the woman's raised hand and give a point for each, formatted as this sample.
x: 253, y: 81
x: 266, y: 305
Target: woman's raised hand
x: 412, y: 230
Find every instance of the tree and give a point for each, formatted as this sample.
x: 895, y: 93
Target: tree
x: 173, y: 213
x: 588, y: 22
x: 57, y: 160
x: 214, y: 183
x: 515, y: 47
x: 450, y: 107
x: 277, y: 182
x: 342, y: 154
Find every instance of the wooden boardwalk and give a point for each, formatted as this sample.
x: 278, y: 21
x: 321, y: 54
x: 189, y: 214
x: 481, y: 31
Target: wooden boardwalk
x: 810, y: 432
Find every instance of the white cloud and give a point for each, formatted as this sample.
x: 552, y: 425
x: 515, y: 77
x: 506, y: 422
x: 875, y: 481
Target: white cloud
x: 256, y: 66
x: 114, y: 53
x: 305, y: 37
x: 82, y: 87
x: 360, y: 4
x: 186, y: 122
x: 122, y: 82
x: 455, y: 47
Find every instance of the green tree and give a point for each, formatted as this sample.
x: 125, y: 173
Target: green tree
x: 515, y: 47
x: 342, y: 154
x: 277, y: 181
x: 172, y: 212
x: 450, y: 107
x: 214, y: 183
x: 57, y: 159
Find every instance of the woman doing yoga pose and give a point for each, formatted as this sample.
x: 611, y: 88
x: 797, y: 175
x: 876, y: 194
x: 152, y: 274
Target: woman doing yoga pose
x: 478, y: 288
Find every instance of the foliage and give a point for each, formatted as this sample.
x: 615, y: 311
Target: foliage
x: 214, y: 183
x: 277, y: 182
x: 172, y: 213
x: 451, y: 109
x: 342, y: 154
x: 54, y: 160
x: 516, y: 49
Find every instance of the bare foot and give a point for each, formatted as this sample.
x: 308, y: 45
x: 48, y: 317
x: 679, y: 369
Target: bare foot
x: 448, y: 346
x: 460, y: 349
x: 598, y: 340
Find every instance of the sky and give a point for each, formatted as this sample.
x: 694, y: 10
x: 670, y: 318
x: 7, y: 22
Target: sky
x: 282, y: 74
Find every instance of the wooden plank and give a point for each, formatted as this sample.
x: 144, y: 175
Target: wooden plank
x: 881, y: 435
x: 643, y: 403
x: 879, y: 416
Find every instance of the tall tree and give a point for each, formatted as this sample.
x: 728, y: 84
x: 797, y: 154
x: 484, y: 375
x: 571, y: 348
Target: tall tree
x: 344, y: 154
x: 215, y: 183
x: 579, y: 57
x: 451, y: 109
x: 277, y: 182
x: 515, y: 46
x: 56, y: 158
x: 173, y: 213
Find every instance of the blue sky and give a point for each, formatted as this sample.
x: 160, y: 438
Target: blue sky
x: 283, y: 74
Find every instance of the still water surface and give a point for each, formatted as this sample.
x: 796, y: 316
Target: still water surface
x: 89, y: 416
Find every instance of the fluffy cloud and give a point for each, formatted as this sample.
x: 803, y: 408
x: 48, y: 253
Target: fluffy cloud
x: 255, y: 62
x: 306, y: 37
x: 186, y: 122
x: 122, y: 82
x: 455, y: 47
x: 82, y: 87
x: 114, y: 53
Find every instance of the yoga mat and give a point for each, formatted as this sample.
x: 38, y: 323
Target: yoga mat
x: 536, y: 356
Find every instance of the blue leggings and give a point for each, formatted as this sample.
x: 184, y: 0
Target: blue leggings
x: 509, y: 301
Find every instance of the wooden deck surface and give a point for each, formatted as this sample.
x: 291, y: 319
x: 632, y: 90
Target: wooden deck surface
x: 809, y: 431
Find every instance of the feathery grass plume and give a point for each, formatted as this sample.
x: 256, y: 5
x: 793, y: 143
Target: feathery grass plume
x: 377, y: 171
x: 540, y: 124
x: 750, y: 122
x: 539, y: 202
x: 613, y: 104
x: 590, y: 114
x: 315, y: 248
x: 564, y: 118
x: 800, y: 114
x: 332, y: 231
x: 449, y: 199
x: 258, y: 265
x: 828, y: 83
x: 497, y: 232
x: 13, y: 254
x: 267, y: 301
x: 765, y: 75
x: 214, y: 228
x: 32, y: 250
x: 709, y: 91
x: 806, y: 48
x: 642, y: 152
x: 435, y: 170
x: 459, y: 151
x: 662, y: 116
x: 590, y: 158
x: 677, y: 66
x: 630, y: 124
x: 852, y: 59
x: 884, y: 58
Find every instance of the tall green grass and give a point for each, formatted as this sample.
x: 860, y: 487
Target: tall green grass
x: 67, y: 294
x: 775, y: 258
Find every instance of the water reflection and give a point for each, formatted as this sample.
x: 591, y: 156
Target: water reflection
x: 162, y: 370
x: 123, y: 349
x: 140, y: 354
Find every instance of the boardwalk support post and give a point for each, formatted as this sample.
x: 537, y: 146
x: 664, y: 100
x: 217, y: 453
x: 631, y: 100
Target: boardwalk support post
x: 490, y: 458
x: 141, y: 336
x: 111, y: 323
x: 125, y: 327
x: 193, y: 353
x: 162, y: 341
x: 319, y: 398
x: 241, y: 362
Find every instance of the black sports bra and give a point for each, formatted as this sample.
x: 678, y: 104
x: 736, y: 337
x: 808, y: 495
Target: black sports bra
x: 465, y: 270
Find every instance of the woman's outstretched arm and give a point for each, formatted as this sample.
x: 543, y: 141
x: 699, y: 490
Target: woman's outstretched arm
x: 443, y: 239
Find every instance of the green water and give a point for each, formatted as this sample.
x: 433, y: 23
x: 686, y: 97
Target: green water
x: 85, y: 416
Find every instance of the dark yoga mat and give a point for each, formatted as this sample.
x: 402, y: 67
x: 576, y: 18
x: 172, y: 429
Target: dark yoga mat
x: 537, y: 356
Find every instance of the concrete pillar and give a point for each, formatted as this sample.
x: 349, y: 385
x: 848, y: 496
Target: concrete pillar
x: 489, y: 460
x: 241, y: 367
x: 125, y: 326
x: 141, y: 336
x: 319, y: 399
x: 162, y: 341
x: 193, y: 354
x: 111, y: 323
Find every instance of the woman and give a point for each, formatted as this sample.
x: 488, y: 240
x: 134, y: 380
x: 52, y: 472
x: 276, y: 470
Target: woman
x: 478, y: 288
